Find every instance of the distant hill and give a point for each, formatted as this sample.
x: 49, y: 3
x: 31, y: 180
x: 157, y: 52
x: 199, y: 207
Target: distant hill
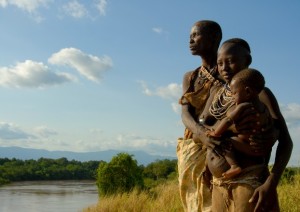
x: 143, y: 158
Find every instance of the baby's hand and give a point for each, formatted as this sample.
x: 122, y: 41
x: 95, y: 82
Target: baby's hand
x: 211, y: 133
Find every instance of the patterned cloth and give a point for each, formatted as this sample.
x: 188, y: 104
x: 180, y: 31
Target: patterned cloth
x: 233, y: 195
x: 194, y: 193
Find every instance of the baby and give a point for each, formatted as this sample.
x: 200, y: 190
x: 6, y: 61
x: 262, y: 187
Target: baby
x: 245, y: 86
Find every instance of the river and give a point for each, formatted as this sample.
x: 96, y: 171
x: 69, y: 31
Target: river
x: 48, y: 196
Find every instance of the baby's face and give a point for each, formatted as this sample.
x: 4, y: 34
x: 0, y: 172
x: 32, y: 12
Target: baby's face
x: 239, y: 92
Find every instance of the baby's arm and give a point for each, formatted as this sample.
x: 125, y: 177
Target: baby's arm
x: 223, y: 125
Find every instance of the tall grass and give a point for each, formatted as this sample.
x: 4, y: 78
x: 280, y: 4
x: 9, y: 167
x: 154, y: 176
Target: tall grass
x: 289, y: 195
x: 165, y: 198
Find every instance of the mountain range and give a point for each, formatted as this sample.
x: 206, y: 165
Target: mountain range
x: 27, y: 153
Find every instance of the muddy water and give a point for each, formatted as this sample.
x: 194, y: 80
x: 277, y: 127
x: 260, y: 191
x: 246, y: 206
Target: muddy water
x: 48, y: 196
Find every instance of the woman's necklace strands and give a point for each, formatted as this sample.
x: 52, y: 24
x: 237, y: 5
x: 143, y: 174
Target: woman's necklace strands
x: 203, y: 74
x: 221, y: 103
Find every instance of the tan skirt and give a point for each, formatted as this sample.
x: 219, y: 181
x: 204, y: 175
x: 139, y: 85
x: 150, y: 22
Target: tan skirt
x: 194, y: 193
x: 233, y: 195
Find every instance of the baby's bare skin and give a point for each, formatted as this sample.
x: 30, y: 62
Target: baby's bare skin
x: 216, y: 163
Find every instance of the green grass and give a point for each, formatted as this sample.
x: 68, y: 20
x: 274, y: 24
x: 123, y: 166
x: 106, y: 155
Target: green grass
x: 165, y: 198
x: 289, y: 195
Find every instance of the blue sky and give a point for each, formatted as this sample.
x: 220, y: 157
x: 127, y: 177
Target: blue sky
x: 92, y: 75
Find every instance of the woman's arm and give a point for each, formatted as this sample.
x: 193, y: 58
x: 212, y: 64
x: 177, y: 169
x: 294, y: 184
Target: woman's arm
x: 187, y: 110
x: 285, y: 143
x: 263, y: 194
x: 190, y: 121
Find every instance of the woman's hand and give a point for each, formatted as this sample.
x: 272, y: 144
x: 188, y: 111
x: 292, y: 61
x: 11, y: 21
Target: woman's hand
x: 263, y: 142
x: 265, y: 195
x: 209, y: 142
x: 244, y: 117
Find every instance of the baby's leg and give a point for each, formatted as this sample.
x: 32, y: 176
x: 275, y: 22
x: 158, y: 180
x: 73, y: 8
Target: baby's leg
x: 234, y: 169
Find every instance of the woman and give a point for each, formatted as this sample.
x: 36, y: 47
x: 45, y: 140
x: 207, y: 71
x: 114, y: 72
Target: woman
x: 234, y: 194
x: 205, y: 38
x: 195, y: 194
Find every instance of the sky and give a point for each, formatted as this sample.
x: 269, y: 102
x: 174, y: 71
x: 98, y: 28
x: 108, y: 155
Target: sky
x: 93, y: 75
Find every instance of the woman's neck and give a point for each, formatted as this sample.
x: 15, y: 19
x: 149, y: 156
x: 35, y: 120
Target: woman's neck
x: 209, y: 62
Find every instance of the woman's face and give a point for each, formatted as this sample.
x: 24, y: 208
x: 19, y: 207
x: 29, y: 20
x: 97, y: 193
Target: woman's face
x: 231, y: 60
x: 200, y: 41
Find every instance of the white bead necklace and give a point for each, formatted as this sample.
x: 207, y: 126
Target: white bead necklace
x: 221, y: 103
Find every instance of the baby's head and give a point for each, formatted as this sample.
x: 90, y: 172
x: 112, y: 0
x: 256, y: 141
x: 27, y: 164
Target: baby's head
x: 246, y: 85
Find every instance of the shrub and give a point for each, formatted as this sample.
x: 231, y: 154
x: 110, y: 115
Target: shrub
x: 120, y: 175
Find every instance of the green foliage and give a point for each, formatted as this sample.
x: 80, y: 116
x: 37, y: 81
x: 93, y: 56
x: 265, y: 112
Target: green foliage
x: 3, y: 181
x: 46, y: 169
x: 288, y: 194
x: 289, y: 174
x: 166, y: 198
x: 120, y: 175
x: 160, y: 169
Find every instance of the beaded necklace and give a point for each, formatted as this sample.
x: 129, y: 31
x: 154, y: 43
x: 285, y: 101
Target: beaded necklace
x: 204, y: 74
x: 221, y: 103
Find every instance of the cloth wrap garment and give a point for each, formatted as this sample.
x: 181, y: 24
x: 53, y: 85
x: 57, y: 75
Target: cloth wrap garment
x: 194, y: 193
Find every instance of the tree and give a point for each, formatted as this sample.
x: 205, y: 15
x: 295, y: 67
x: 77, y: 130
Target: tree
x: 160, y: 169
x: 120, y: 175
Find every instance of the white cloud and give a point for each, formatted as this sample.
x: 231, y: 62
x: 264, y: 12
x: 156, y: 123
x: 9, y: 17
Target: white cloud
x: 90, y: 66
x: 75, y: 9
x: 10, y: 131
x: 40, y: 137
x: 96, y: 131
x: 101, y: 6
x: 36, y: 74
x: 291, y: 113
x: 161, y: 31
x: 149, y: 144
x: 29, y: 6
x: 44, y: 131
x: 3, y: 3
x: 170, y: 92
x: 31, y: 74
x: 176, y: 107
x: 157, y: 30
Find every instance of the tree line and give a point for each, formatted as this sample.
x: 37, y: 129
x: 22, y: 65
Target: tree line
x: 121, y: 174
x: 12, y: 170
